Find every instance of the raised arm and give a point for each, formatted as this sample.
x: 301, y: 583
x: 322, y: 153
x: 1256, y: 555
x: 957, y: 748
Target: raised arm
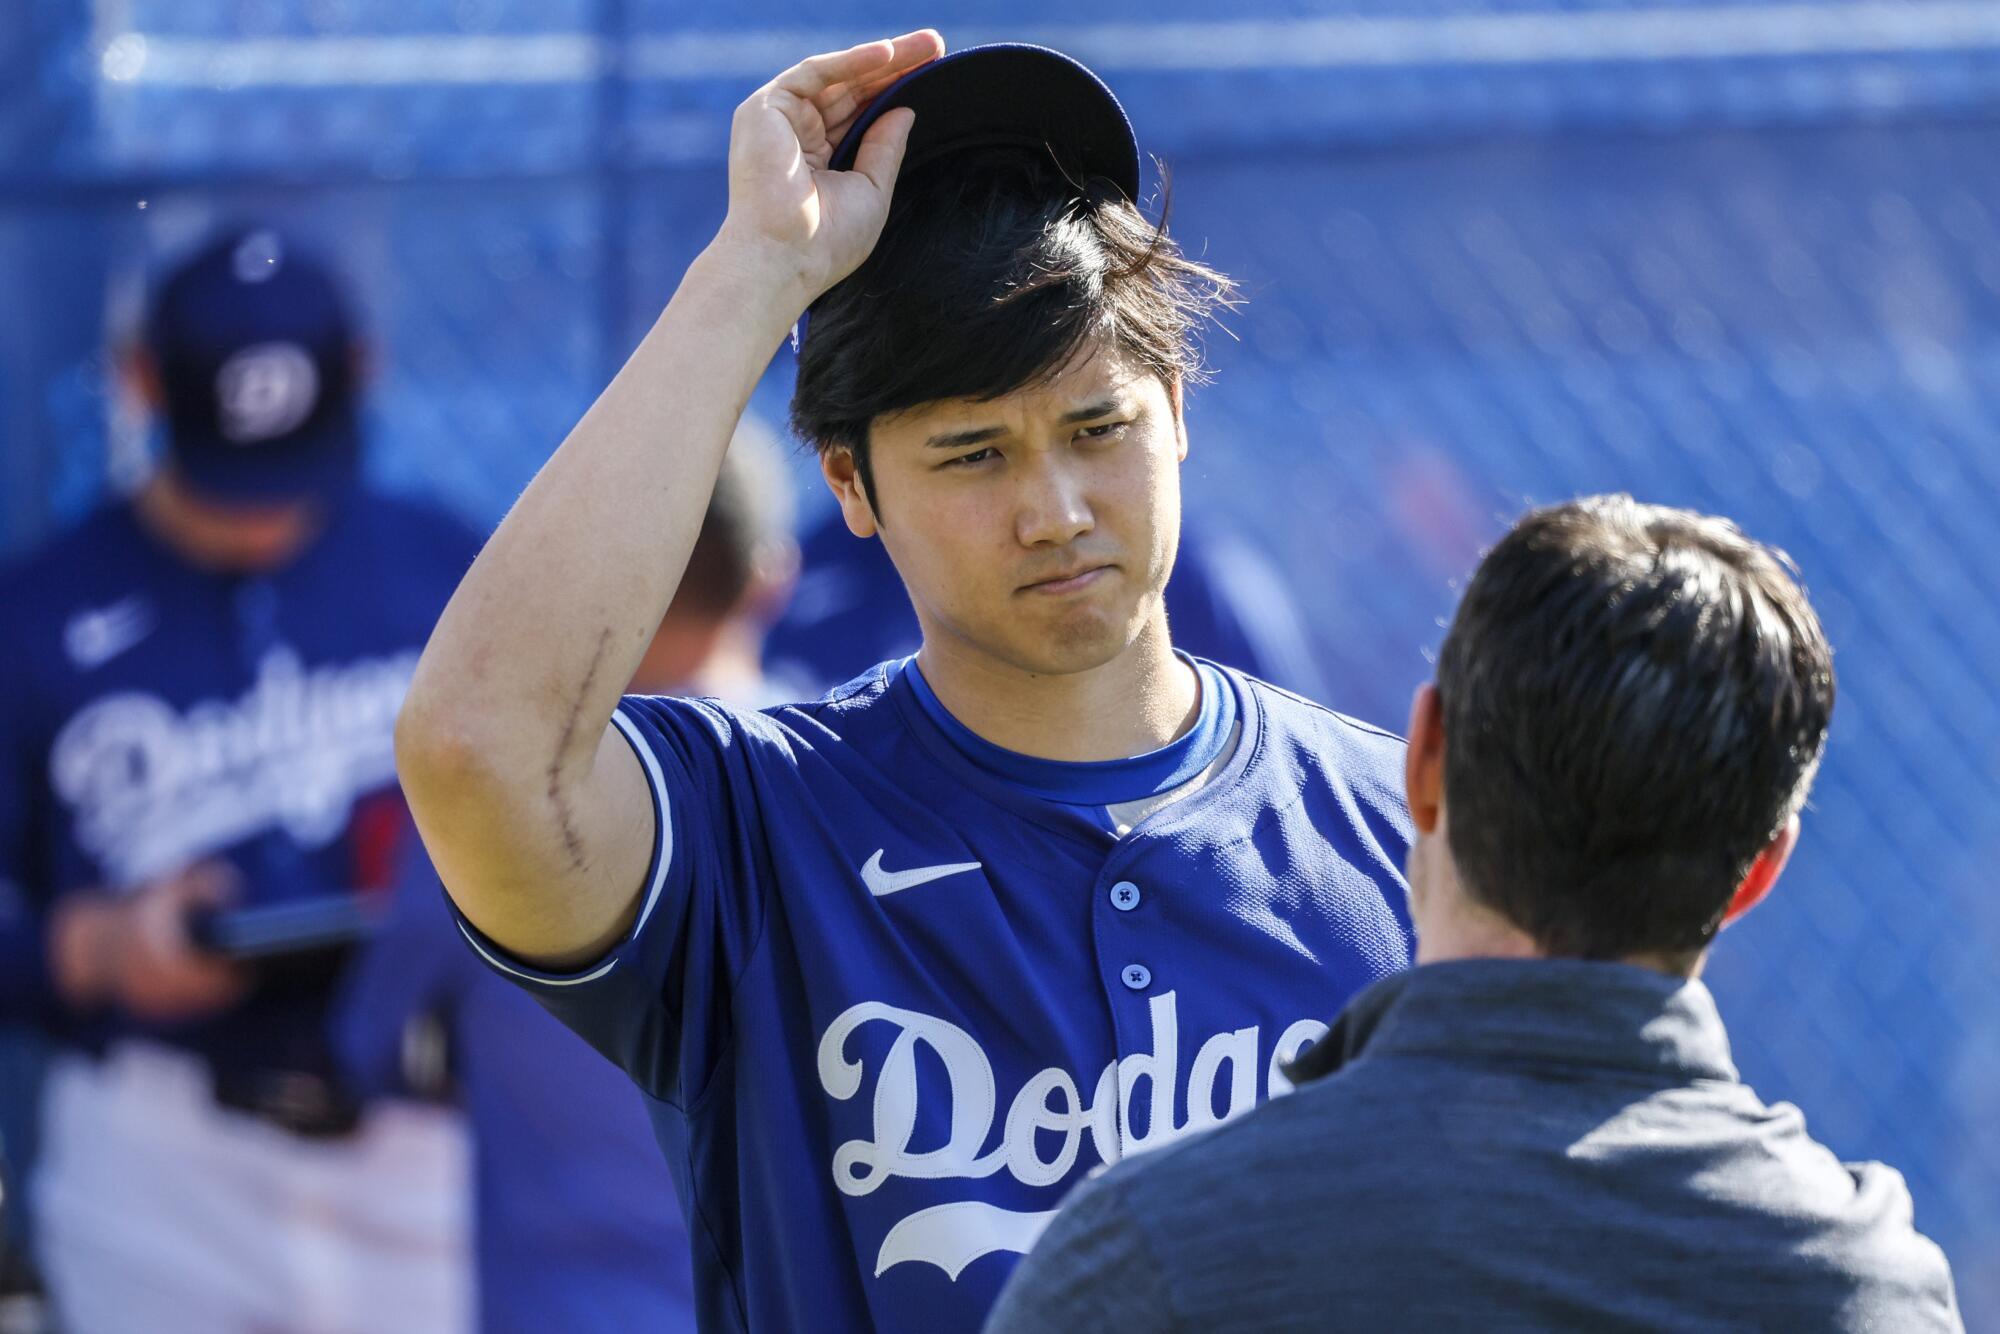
x: 531, y: 805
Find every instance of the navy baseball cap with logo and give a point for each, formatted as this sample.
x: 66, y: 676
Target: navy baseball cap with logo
x: 255, y: 352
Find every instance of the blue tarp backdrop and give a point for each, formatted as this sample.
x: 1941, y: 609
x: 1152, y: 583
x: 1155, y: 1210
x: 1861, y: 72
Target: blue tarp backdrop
x: 1739, y: 256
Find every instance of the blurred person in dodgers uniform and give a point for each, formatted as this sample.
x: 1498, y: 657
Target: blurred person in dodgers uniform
x: 897, y: 969
x: 577, y: 1225
x: 196, y: 709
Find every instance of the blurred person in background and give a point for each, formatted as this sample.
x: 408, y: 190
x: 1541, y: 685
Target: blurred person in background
x: 196, y: 709
x: 1540, y: 1126
x: 1226, y: 601
x: 578, y: 1227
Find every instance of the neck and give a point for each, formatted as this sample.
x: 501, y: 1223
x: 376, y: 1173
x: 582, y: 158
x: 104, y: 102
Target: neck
x: 1453, y: 925
x: 213, y: 537
x: 1137, y: 702
x: 1472, y: 932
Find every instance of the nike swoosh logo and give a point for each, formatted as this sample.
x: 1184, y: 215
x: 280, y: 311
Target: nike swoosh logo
x: 881, y: 882
x: 93, y: 638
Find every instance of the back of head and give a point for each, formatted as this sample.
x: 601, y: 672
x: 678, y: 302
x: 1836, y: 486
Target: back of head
x: 1635, y: 700
x: 746, y: 533
x: 993, y: 270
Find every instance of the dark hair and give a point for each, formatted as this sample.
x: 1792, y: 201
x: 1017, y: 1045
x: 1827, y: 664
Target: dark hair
x: 990, y: 274
x: 1635, y: 700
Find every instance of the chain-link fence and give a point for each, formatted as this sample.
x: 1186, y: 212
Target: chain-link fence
x: 1738, y: 256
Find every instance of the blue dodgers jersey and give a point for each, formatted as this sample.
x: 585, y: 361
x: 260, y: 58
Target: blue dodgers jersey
x: 888, y: 1009
x: 153, y: 714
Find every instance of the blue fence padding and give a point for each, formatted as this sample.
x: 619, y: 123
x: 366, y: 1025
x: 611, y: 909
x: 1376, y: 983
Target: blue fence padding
x: 388, y: 91
x: 1764, y: 285
x: 235, y: 19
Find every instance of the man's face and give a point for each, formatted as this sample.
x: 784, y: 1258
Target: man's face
x: 1036, y: 530
x: 220, y: 535
x: 261, y: 538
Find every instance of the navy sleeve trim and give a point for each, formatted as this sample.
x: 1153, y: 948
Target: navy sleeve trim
x: 663, y: 853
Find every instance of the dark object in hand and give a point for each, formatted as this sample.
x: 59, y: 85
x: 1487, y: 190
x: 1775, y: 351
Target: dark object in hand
x: 285, y: 931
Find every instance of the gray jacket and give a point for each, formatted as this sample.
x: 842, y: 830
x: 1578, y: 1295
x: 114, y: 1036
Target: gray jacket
x: 1496, y: 1144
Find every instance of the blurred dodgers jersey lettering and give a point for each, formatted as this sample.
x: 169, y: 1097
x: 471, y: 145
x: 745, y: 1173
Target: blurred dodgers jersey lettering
x: 153, y: 787
x: 888, y: 1007
x: 160, y: 715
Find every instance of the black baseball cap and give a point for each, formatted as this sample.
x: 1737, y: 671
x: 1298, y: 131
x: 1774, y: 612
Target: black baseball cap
x: 255, y: 346
x: 1008, y: 94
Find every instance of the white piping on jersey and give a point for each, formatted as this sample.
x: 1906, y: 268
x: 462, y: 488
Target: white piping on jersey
x: 539, y: 979
x: 658, y: 784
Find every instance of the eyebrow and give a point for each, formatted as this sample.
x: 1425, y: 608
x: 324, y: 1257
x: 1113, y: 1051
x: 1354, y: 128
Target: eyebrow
x: 980, y: 435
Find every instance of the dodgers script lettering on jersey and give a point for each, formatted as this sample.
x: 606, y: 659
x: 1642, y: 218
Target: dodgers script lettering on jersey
x: 1050, y: 1110
x: 888, y: 1008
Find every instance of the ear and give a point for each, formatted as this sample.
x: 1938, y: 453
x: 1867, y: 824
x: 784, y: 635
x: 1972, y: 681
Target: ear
x: 1764, y: 872
x: 844, y: 480
x: 1423, y: 761
x: 1180, y: 422
x: 772, y: 579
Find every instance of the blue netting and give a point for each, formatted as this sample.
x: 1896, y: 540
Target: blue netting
x: 1497, y: 252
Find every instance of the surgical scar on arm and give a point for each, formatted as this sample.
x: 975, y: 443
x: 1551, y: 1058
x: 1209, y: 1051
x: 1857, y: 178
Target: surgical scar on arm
x: 565, y: 817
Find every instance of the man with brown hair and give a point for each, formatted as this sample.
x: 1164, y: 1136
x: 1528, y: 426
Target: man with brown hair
x: 1540, y: 1127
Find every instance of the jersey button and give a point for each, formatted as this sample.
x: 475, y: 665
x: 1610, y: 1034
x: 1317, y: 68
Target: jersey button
x: 1137, y: 977
x: 1125, y: 896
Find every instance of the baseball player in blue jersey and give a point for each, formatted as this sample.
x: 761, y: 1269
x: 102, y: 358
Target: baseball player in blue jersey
x: 897, y: 969
x: 197, y: 701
